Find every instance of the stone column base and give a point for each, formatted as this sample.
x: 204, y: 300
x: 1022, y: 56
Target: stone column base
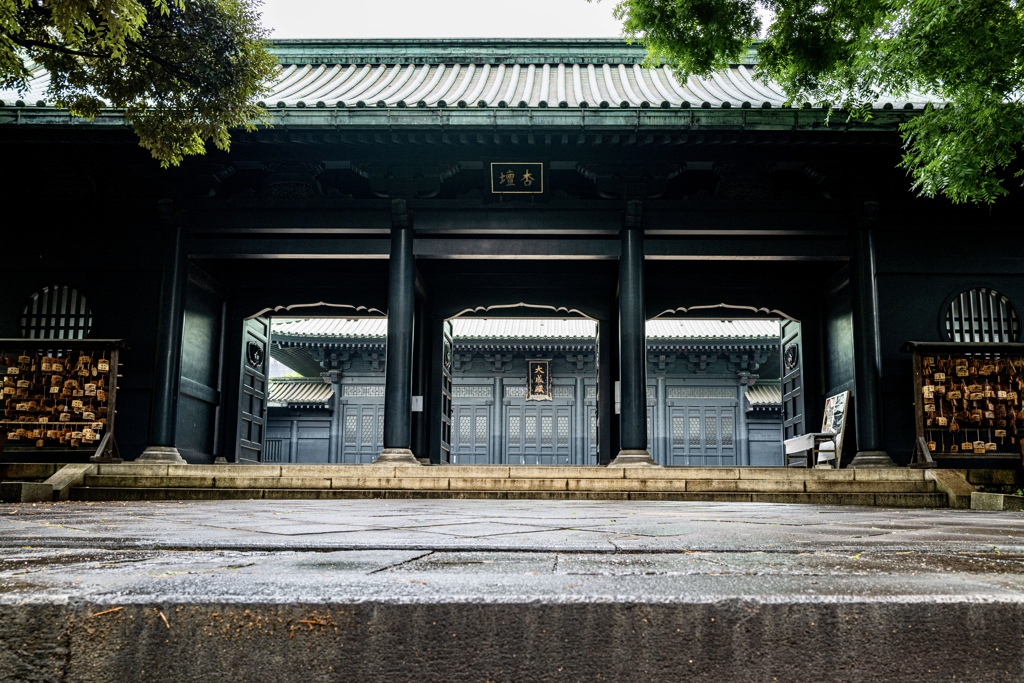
x: 866, y: 460
x: 396, y: 456
x: 164, y: 455
x: 633, y: 458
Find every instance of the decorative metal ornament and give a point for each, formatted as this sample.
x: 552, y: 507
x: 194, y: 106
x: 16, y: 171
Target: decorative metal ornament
x: 792, y: 356
x: 254, y: 354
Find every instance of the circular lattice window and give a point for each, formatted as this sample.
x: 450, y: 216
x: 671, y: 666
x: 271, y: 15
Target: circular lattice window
x: 981, y: 315
x: 57, y: 312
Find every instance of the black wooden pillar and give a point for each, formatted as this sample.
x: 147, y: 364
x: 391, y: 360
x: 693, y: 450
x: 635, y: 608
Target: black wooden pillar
x: 607, y: 374
x: 632, y: 344
x: 163, y: 419
x: 401, y: 318
x: 421, y: 378
x: 867, y: 397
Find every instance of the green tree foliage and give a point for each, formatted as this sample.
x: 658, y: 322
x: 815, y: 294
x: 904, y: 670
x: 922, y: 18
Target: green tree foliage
x: 966, y: 55
x: 184, y: 72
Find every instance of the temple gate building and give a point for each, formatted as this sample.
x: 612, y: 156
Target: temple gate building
x: 430, y: 182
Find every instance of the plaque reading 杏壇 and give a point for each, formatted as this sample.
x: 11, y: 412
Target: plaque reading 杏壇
x: 517, y: 178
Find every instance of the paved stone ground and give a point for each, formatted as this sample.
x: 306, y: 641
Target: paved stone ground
x: 509, y: 590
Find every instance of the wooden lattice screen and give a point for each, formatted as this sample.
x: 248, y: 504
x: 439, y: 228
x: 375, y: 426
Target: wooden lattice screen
x: 982, y: 315
x: 56, y: 312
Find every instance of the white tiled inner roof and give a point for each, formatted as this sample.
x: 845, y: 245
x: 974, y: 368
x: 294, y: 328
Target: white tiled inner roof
x: 764, y: 395
x: 283, y: 391
x: 536, y: 328
x: 712, y: 329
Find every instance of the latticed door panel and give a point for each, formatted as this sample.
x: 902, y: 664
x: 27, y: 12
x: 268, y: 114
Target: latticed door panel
x: 792, y: 380
x: 446, y: 392
x: 470, y: 435
x: 703, y: 435
x: 538, y: 435
x: 362, y: 432
x: 252, y: 392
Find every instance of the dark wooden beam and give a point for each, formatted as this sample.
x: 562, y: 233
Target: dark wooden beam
x: 747, y: 248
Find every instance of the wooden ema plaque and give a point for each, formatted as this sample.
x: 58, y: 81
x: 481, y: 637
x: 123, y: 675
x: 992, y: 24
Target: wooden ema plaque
x: 968, y: 400
x: 58, y: 395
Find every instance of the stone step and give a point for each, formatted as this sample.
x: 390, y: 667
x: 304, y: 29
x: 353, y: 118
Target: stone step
x: 516, y: 472
x: 892, y: 499
x: 27, y: 471
x: 513, y: 484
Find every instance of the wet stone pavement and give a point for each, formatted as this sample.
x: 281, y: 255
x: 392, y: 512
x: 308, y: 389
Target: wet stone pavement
x: 502, y: 550
x: 160, y: 573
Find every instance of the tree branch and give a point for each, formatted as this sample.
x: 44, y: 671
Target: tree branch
x: 168, y: 66
x: 55, y: 47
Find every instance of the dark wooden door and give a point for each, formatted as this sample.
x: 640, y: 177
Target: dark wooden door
x: 363, y: 428
x: 538, y: 434
x: 792, y: 380
x: 252, y: 392
x: 446, y: 392
x: 471, y: 434
x: 703, y: 435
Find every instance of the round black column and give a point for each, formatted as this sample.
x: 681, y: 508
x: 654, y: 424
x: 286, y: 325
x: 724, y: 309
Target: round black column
x: 398, y: 371
x: 632, y: 345
x: 163, y: 421
x: 867, y: 401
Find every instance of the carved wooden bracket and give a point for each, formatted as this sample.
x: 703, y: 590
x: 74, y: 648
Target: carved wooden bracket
x: 501, y: 362
x: 629, y: 181
x: 406, y: 181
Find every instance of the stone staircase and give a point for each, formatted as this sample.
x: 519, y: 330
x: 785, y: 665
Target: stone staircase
x: 881, y: 487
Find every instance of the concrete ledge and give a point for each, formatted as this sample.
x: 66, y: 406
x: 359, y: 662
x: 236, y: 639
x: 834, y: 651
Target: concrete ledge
x: 27, y: 470
x: 25, y: 492
x: 954, y: 485
x: 68, y: 476
x: 888, y: 474
x: 911, y: 500
x: 457, y: 484
x: 520, y: 641
x: 463, y: 471
x: 996, y: 501
x: 795, y: 473
x: 682, y: 473
x: 746, y: 485
x: 991, y: 477
x: 883, y: 486
x: 425, y: 483
x: 133, y: 469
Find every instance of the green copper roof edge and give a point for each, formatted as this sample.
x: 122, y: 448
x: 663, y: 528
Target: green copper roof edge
x: 418, y: 50
x: 561, y: 119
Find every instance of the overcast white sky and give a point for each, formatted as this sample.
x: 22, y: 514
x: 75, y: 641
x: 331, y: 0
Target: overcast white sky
x: 440, y: 19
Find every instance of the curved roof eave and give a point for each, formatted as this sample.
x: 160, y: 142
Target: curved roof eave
x: 570, y: 83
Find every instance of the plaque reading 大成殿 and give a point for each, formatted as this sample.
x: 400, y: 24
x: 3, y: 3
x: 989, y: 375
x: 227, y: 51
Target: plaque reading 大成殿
x: 538, y: 380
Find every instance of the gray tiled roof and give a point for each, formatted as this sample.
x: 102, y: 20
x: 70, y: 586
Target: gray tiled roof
x: 523, y: 86
x: 467, y: 73
x: 535, y: 328
x: 712, y: 329
x: 764, y: 395
x: 294, y: 392
x: 516, y: 328
x: 361, y: 328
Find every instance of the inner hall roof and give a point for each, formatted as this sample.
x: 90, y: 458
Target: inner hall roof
x: 528, y: 328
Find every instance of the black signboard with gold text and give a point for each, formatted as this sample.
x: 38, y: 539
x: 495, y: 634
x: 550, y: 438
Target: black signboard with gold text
x: 517, y: 178
x: 538, y: 380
